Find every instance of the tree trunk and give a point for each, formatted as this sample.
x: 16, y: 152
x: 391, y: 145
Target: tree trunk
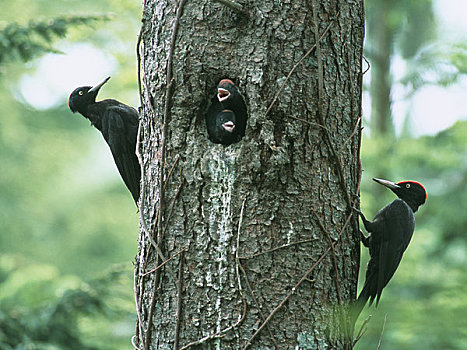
x: 263, y: 243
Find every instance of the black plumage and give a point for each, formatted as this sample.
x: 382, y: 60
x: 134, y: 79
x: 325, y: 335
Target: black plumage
x: 390, y: 233
x: 118, y: 124
x: 227, y: 115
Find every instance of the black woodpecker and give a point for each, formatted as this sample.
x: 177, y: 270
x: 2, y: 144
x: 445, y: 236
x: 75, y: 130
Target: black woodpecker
x: 226, y: 117
x: 118, y: 124
x: 390, y: 233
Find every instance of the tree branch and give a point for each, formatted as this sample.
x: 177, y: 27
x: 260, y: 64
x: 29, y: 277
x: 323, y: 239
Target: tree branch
x: 172, y: 204
x: 139, y: 323
x: 382, y: 332
x: 362, y: 330
x: 179, y: 301
x: 162, y: 264
x: 135, y: 347
x: 367, y: 68
x: 307, y: 121
x: 357, y: 125
x: 138, y: 59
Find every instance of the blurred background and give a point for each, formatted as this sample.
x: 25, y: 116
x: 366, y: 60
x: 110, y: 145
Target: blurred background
x: 68, y: 226
x: 415, y: 118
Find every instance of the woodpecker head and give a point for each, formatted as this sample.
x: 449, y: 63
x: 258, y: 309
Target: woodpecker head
x: 225, y: 89
x: 226, y: 120
x: 412, y: 192
x: 83, y: 96
x: 225, y: 130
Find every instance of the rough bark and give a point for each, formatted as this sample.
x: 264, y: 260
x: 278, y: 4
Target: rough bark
x: 265, y: 225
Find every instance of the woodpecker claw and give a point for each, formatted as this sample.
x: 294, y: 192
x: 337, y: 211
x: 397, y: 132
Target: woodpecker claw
x: 365, y: 240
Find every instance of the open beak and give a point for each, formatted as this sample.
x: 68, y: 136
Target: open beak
x: 388, y: 184
x: 222, y: 94
x: 98, y: 86
x: 229, y: 126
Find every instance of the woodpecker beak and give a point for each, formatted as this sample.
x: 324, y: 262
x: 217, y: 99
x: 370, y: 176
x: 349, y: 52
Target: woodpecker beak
x: 228, y: 126
x: 222, y: 94
x: 388, y: 184
x: 98, y: 86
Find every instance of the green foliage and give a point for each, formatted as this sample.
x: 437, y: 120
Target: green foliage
x: 437, y: 64
x: 43, y: 310
x: 35, y: 38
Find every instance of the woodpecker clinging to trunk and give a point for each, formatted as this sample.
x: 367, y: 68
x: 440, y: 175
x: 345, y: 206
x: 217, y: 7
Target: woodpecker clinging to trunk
x: 118, y: 124
x: 390, y: 233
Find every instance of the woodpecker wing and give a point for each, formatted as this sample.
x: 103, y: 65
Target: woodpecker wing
x: 119, y: 126
x: 397, y: 226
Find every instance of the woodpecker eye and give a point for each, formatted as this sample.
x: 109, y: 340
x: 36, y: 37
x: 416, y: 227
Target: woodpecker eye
x: 80, y: 93
x: 407, y: 185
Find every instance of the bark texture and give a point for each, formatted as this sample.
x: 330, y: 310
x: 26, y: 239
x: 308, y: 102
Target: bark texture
x: 255, y: 220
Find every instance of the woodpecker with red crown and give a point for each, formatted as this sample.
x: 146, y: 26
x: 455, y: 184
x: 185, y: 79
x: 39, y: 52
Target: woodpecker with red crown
x: 227, y: 115
x: 118, y: 124
x: 390, y: 233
